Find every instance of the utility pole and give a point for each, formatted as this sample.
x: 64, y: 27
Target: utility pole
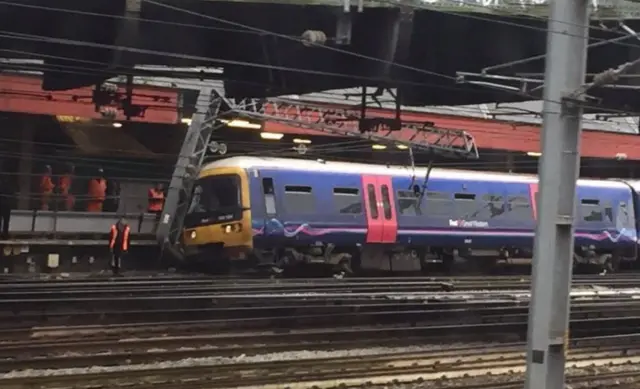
x: 567, y: 39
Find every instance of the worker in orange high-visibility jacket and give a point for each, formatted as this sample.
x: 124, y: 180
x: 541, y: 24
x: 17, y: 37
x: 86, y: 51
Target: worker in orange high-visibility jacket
x: 46, y: 188
x: 156, y: 199
x: 97, y: 192
x: 119, y: 240
x: 64, y: 187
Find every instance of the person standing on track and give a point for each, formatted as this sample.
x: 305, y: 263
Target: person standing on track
x: 156, y: 199
x: 46, y: 188
x: 7, y: 202
x: 64, y: 186
x: 97, y: 192
x: 119, y: 239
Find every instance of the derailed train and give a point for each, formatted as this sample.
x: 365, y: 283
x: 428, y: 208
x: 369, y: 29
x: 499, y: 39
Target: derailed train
x: 283, y: 212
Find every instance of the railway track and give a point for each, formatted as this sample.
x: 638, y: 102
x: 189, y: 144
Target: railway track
x: 176, y: 285
x: 458, y: 363
x: 309, y: 337
x: 65, y: 346
x: 287, y: 311
x: 167, y: 300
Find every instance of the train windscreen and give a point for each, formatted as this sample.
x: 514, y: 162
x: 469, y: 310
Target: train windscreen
x: 216, y: 199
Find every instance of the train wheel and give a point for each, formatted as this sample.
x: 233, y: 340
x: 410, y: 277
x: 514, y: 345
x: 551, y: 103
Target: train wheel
x: 448, y: 263
x: 488, y: 266
x: 219, y: 266
x: 611, y: 264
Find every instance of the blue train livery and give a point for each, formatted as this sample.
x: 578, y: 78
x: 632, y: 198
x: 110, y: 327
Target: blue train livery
x: 353, y: 216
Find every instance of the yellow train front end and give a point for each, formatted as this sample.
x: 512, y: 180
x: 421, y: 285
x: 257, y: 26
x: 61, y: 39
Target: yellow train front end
x: 217, y: 228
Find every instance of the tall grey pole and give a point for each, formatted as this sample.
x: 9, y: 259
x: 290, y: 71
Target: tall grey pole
x: 567, y: 39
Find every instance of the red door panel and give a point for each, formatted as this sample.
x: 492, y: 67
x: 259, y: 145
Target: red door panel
x: 372, y: 209
x: 533, y: 197
x: 390, y: 226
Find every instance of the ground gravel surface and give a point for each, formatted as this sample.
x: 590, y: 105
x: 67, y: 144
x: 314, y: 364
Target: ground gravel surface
x: 267, y: 357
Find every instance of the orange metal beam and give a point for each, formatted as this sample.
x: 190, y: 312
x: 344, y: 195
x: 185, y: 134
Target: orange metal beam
x: 497, y: 135
x: 24, y: 94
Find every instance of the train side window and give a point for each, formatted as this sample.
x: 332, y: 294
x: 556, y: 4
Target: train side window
x: 465, y: 205
x: 347, y: 200
x: 299, y: 199
x: 519, y: 208
x: 590, y: 210
x: 608, y: 212
x: 373, y: 202
x: 269, y: 196
x: 464, y: 196
x: 386, y: 202
x: 622, y: 218
x: 491, y: 206
x: 408, y: 203
x: 437, y: 204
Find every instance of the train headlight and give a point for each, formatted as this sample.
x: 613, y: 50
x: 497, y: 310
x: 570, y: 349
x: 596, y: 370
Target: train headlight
x: 193, y: 235
x: 229, y: 228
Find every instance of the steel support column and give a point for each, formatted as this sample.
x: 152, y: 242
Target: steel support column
x: 567, y: 39
x: 190, y: 159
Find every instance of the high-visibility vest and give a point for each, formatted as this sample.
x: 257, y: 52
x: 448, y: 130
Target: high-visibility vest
x: 97, y: 189
x: 156, y: 200
x: 46, y: 184
x: 113, y: 237
x: 64, y: 184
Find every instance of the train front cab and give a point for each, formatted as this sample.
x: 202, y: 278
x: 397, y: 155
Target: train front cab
x: 217, y: 227
x: 635, y: 213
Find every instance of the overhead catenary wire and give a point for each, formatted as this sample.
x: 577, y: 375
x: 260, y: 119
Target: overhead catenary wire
x: 325, y: 47
x: 262, y: 31
x: 486, y: 130
x: 194, y: 83
x: 372, y: 79
x: 426, y: 7
x: 321, y: 151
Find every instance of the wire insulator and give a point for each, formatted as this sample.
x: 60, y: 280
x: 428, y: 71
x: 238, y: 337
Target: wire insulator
x: 109, y: 87
x: 314, y: 37
x: 109, y: 112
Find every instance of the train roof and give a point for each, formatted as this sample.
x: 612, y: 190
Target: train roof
x: 635, y: 184
x: 393, y: 170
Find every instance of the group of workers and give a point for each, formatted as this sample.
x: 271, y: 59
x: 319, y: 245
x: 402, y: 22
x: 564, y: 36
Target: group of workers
x: 47, y: 188
x: 99, y: 191
x: 97, y: 195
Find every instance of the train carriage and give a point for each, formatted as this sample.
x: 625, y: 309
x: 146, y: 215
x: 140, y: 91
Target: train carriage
x: 281, y: 212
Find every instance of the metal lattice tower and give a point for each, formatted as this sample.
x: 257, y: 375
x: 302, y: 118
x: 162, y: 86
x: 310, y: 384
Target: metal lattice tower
x: 212, y: 107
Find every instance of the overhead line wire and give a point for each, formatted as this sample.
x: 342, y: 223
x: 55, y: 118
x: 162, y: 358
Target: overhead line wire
x: 253, y: 30
x: 505, y: 122
x: 241, y: 63
x: 91, y: 44
x: 418, y: 7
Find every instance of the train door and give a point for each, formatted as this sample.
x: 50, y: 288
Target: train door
x: 380, y: 209
x: 270, y: 208
x: 389, y: 220
x: 372, y: 207
x: 533, y: 197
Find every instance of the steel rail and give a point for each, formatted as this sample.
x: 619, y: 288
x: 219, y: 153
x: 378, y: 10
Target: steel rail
x: 114, y: 341
x: 378, y: 308
x: 309, y: 316
x: 321, y: 372
x: 122, y: 354
x: 177, y: 280
x: 308, y: 295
